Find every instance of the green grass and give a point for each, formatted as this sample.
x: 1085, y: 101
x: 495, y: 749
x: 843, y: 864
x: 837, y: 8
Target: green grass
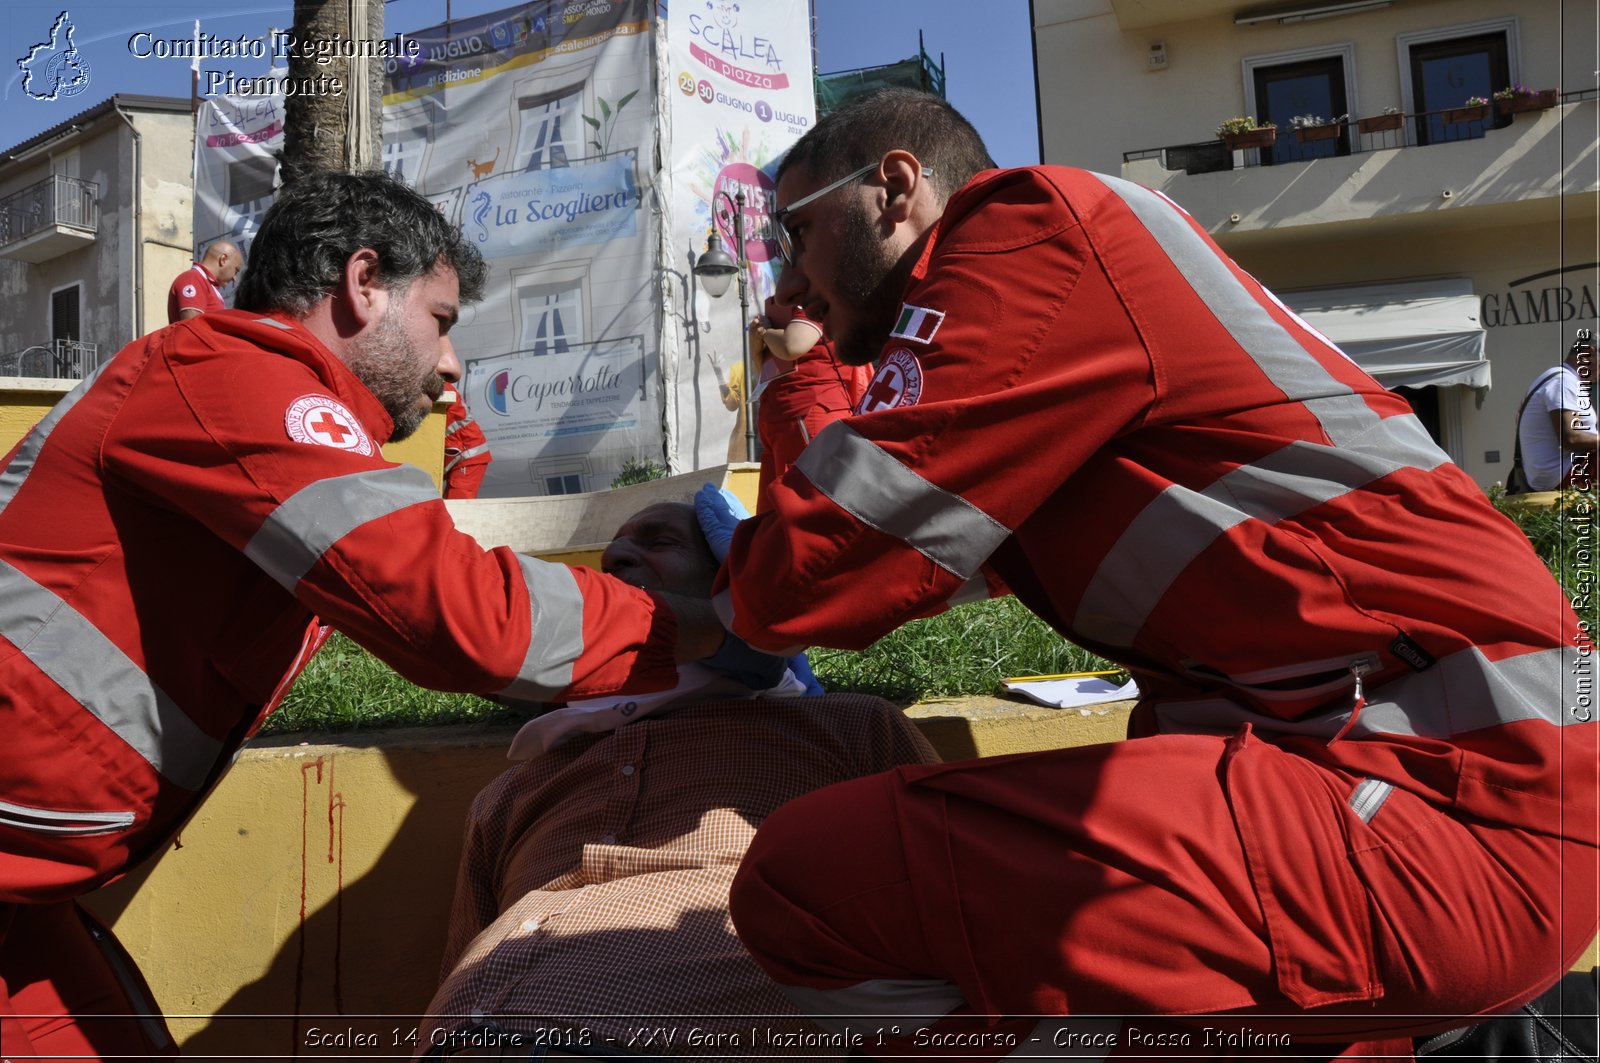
x: 967, y: 650
x: 1566, y: 537
x: 345, y: 688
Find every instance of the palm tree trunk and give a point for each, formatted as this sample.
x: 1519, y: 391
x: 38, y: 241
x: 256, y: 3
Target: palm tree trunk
x: 326, y: 130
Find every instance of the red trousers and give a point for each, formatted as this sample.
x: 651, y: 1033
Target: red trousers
x: 1172, y: 875
x: 69, y: 991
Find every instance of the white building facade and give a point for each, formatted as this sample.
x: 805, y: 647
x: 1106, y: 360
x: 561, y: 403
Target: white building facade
x: 1452, y: 254
x: 94, y: 225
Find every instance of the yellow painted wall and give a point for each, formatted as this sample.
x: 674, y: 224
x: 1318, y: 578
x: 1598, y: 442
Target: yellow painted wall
x: 962, y: 728
x: 23, y: 401
x: 425, y: 449
x: 316, y: 879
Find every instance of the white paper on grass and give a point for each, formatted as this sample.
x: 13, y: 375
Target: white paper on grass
x: 1075, y: 693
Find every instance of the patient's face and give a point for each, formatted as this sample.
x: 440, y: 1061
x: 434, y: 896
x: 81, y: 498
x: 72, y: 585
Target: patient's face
x: 661, y: 548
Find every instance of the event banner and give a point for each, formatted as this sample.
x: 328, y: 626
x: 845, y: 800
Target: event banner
x: 549, y: 211
x: 531, y: 129
x: 527, y: 128
x: 737, y: 91
x: 561, y: 398
x: 236, y: 141
x: 538, y: 130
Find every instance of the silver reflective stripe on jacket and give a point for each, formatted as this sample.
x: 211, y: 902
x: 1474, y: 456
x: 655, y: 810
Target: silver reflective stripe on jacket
x: 470, y: 452
x: 294, y: 538
x: 303, y: 528
x: 95, y: 673
x: 875, y: 488
x: 1344, y: 416
x: 1180, y: 524
x: 555, y: 631
x: 975, y: 589
x: 88, y: 666
x: 1464, y: 691
x: 1369, y: 796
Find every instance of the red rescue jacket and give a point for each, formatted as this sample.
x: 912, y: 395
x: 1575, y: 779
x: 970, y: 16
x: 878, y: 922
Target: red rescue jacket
x: 1086, y: 398
x: 169, y: 535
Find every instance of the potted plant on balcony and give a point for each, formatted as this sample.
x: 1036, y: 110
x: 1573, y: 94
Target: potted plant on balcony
x: 1514, y: 99
x: 1314, y: 127
x: 1472, y: 109
x: 1246, y: 132
x: 1390, y: 120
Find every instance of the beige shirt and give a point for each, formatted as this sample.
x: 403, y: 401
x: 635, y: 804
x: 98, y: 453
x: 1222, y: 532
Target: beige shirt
x: 593, y: 890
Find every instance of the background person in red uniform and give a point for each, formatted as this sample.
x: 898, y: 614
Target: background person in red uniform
x: 197, y: 290
x: 178, y: 531
x: 1361, y: 785
x: 466, y: 452
x: 802, y: 396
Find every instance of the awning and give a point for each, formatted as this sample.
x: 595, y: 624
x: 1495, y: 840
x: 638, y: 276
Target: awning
x: 1412, y: 334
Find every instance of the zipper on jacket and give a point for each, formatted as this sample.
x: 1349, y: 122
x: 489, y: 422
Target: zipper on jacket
x: 52, y: 821
x: 1360, y: 668
x: 1291, y: 682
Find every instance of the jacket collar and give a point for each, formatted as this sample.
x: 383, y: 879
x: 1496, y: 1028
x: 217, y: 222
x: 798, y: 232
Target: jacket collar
x: 282, y: 334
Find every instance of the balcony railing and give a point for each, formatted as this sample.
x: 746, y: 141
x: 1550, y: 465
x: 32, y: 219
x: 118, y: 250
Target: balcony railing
x: 59, y: 360
x: 1408, y: 131
x: 58, y: 200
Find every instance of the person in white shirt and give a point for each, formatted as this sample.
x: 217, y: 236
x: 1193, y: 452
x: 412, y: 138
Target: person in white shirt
x: 1556, y: 427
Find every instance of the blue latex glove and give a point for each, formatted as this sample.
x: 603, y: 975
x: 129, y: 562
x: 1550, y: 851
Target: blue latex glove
x: 718, y: 511
x: 802, y: 671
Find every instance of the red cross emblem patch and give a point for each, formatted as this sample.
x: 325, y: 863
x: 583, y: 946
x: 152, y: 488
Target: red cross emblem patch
x: 188, y: 291
x: 898, y: 383
x: 325, y: 422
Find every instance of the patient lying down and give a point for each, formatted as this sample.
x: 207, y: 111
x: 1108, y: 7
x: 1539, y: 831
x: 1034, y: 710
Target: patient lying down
x: 590, y: 913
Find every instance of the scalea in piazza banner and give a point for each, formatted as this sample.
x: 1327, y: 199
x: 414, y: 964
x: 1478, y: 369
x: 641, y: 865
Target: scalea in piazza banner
x: 236, y: 142
x: 738, y: 91
x: 528, y: 127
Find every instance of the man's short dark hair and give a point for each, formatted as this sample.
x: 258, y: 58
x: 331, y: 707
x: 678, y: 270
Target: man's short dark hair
x: 320, y: 220
x: 867, y: 127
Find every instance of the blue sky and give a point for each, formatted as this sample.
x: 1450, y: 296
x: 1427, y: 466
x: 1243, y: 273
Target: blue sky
x: 987, y: 50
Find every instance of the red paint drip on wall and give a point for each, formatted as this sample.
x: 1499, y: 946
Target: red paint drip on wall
x: 336, y: 857
x: 300, y: 933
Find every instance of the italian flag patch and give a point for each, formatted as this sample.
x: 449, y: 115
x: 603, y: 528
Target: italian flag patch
x: 917, y: 323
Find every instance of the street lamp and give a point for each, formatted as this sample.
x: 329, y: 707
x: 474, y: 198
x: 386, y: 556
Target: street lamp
x: 715, y: 270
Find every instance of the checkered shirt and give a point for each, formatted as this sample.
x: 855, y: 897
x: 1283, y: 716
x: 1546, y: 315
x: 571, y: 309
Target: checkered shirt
x: 593, y: 888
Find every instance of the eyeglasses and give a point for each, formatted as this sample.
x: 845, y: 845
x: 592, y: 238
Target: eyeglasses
x: 781, y: 228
